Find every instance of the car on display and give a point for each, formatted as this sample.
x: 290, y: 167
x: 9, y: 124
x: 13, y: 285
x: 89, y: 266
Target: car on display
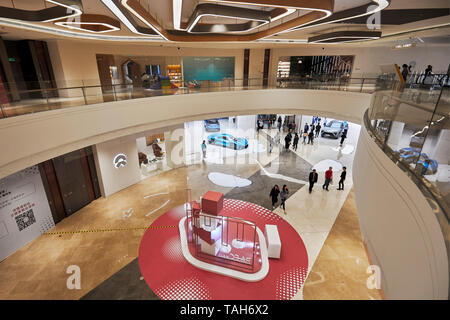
x: 228, y: 141
x: 212, y: 125
x: 412, y: 155
x: 334, y: 128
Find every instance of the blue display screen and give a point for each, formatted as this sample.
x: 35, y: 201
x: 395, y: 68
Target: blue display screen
x: 208, y: 68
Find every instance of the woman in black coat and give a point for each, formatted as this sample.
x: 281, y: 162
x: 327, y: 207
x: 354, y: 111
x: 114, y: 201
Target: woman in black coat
x: 274, y: 195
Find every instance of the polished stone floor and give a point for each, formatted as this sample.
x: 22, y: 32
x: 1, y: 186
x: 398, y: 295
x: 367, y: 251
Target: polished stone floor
x: 107, y: 256
x: 341, y: 266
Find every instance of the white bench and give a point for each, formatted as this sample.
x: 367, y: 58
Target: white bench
x: 273, y: 241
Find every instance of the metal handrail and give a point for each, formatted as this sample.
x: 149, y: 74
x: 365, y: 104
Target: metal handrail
x: 115, y: 91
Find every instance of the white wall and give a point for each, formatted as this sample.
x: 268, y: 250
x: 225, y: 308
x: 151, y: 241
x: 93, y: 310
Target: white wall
x: 33, y: 138
x: 111, y: 179
x: 400, y: 230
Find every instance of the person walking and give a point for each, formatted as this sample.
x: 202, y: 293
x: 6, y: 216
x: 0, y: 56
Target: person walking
x: 343, y: 175
x: 328, y: 178
x: 259, y: 125
x: 287, y: 140
x: 318, y: 127
x: 279, y: 124
x: 313, y: 176
x: 296, y: 138
x: 274, y: 195
x: 428, y: 72
x: 204, y: 149
x: 405, y: 71
x: 305, y: 135
x: 311, y: 137
x: 343, y: 137
x: 306, y: 128
x: 283, y: 196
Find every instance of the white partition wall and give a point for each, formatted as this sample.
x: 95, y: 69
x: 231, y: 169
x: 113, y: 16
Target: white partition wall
x: 114, y: 174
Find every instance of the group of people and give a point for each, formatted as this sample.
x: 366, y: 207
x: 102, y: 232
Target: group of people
x: 309, y: 132
x: 313, y: 176
x: 406, y: 70
x: 283, y: 196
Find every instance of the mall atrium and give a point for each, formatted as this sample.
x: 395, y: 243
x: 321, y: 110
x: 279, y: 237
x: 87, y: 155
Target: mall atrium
x: 224, y: 150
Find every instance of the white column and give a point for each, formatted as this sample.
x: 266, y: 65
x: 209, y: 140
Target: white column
x: 114, y: 176
x: 395, y: 135
x: 442, y: 149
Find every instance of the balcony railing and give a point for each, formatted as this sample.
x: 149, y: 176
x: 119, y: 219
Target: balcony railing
x: 15, y: 101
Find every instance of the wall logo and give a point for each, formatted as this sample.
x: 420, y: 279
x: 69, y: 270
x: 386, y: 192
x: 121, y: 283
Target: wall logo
x: 120, y: 161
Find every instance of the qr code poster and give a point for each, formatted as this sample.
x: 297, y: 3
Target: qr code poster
x: 24, y: 210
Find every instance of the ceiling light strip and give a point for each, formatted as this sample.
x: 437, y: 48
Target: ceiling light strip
x: 382, y: 4
x: 126, y: 4
x: 77, y: 26
x: 288, y: 4
x: 72, y: 6
x: 213, y: 10
x: 72, y: 34
x: 114, y: 6
x: 361, y: 35
x: 177, y: 6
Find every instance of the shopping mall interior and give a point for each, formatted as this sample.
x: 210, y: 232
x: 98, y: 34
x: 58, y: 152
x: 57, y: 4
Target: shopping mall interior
x: 224, y: 150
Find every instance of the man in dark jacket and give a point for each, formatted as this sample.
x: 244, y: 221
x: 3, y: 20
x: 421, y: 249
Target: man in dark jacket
x: 287, y: 140
x: 312, y: 179
x: 306, y: 128
x: 311, y: 137
x: 343, y: 175
x: 296, y: 138
x: 318, y: 127
x: 343, y: 137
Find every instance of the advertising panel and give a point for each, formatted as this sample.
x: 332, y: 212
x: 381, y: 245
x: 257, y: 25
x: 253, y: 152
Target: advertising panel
x: 24, y: 210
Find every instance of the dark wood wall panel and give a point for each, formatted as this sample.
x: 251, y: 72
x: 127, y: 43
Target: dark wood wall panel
x: 246, y: 66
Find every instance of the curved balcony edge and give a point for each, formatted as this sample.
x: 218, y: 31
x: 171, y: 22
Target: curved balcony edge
x: 33, y: 138
x: 400, y: 229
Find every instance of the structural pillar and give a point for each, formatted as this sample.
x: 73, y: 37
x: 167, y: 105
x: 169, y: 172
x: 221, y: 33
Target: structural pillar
x: 395, y: 134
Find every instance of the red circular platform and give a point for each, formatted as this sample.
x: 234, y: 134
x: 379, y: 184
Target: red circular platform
x: 171, y: 277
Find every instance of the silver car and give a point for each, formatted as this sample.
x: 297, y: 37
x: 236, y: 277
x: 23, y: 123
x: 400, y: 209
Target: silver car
x: 334, y: 128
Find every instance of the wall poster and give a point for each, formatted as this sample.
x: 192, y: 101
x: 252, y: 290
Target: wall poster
x: 24, y: 210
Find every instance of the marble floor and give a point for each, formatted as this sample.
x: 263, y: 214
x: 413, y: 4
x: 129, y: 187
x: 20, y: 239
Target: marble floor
x: 339, y: 272
x: 107, y: 256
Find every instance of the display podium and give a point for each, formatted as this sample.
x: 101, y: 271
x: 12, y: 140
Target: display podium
x: 273, y: 241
